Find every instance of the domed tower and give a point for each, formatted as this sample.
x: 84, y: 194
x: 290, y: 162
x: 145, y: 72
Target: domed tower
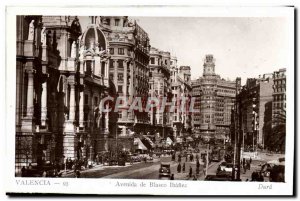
x: 93, y: 85
x: 209, y: 65
x: 94, y: 54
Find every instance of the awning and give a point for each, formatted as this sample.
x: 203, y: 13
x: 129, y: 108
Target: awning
x: 149, y: 141
x: 169, y: 141
x: 139, y: 144
x: 130, y: 132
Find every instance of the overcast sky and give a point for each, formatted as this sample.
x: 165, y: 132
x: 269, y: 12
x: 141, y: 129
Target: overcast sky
x: 244, y: 47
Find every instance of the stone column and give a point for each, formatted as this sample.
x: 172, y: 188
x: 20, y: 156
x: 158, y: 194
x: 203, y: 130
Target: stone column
x: 72, y: 102
x: 115, y: 64
x: 125, y: 79
x: 44, y: 104
x: 81, y: 112
x: 106, y: 119
x: 106, y: 70
x: 30, y: 89
x: 131, y: 90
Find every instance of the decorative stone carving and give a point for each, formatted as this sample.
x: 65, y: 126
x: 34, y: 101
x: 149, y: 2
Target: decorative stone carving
x: 73, y: 51
x: 31, y: 30
x: 44, y: 36
x: 98, y: 20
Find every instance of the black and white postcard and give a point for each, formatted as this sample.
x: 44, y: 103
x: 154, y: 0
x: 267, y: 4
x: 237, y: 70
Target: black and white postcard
x: 150, y: 100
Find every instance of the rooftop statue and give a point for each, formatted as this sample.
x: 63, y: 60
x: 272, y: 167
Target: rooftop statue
x: 44, y: 36
x: 31, y: 30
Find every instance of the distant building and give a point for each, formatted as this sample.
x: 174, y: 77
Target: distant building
x: 160, y: 87
x: 215, y: 97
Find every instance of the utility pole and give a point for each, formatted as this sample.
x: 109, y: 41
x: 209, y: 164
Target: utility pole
x: 206, y: 169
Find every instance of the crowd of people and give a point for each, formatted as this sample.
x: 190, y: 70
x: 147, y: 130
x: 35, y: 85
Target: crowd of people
x: 182, y: 168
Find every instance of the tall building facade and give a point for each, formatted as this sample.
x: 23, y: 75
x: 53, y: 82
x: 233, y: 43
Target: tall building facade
x: 256, y: 97
x: 160, y: 88
x: 279, y: 97
x: 62, y: 75
x: 128, y: 70
x: 215, y: 97
x: 180, y: 117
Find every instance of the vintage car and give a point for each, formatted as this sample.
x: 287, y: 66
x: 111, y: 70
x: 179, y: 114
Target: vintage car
x: 165, y: 170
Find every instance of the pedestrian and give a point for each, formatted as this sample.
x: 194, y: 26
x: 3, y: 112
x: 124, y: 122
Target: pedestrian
x: 44, y: 174
x: 195, y: 178
x: 179, y: 158
x: 183, y: 167
x: 245, y: 169
x: 23, y: 171
x: 197, y: 170
x: 77, y: 173
x: 250, y: 160
x: 198, y: 164
x: 172, y: 177
x: 179, y: 168
x: 191, y: 171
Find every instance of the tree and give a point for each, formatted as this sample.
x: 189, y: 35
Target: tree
x: 275, y: 136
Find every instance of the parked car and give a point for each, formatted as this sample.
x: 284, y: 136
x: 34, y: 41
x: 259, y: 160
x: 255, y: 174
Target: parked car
x: 229, y: 167
x: 217, y: 178
x: 222, y: 166
x: 165, y: 170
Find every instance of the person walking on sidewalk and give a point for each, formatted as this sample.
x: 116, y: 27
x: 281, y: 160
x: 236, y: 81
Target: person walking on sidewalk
x: 172, y: 177
x: 183, y: 167
x: 191, y: 172
x: 179, y: 168
x: 197, y: 170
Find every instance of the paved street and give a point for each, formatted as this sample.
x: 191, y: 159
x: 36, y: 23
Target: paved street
x: 149, y: 170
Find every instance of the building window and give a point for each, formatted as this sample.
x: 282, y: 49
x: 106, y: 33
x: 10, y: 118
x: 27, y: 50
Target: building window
x: 120, y: 76
x: 88, y: 67
x: 121, y: 51
x: 96, y: 101
x: 117, y: 22
x: 120, y: 115
x: 111, y: 50
x: 111, y: 76
x: 152, y: 60
x: 120, y: 88
x: 120, y: 63
x: 86, y: 99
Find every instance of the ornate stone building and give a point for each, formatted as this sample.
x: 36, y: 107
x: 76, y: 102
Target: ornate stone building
x: 160, y: 88
x: 62, y: 75
x: 180, y: 118
x: 215, y: 97
x: 279, y: 97
x: 128, y: 69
